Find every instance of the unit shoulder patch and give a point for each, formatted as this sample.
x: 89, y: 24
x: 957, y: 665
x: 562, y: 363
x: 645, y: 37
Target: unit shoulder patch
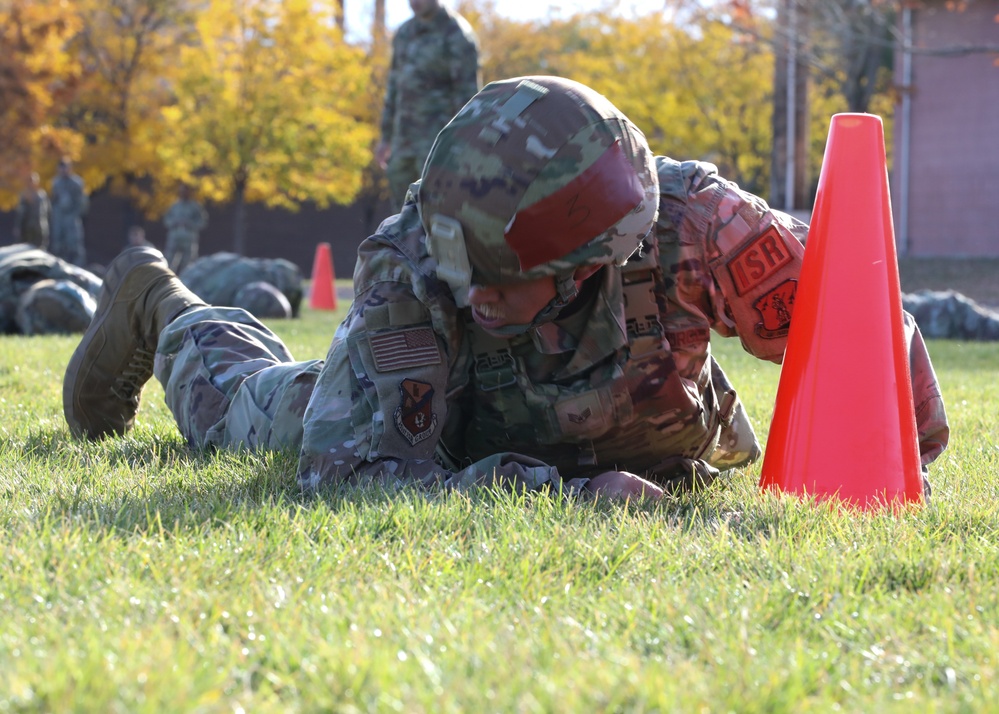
x: 759, y: 260
x: 776, y: 308
x: 415, y: 418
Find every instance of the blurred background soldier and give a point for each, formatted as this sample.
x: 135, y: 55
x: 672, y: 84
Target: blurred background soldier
x: 219, y: 278
x: 40, y: 293
x: 31, y: 217
x: 434, y: 71
x: 137, y: 236
x: 69, y: 203
x: 184, y: 220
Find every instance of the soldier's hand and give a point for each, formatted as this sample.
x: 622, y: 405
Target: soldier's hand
x: 623, y: 485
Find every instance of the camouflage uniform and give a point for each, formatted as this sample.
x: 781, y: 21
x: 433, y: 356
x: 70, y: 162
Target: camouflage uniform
x: 435, y: 70
x: 56, y: 305
x: 231, y: 383
x: 951, y: 315
x: 217, y: 278
x: 69, y: 203
x: 414, y: 391
x: 31, y: 220
x: 437, y: 421
x: 184, y: 220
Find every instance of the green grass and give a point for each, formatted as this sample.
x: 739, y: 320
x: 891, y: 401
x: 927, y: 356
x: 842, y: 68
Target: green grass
x: 136, y: 576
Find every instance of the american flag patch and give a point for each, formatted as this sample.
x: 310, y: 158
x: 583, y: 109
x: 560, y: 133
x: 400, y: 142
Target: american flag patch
x: 401, y: 349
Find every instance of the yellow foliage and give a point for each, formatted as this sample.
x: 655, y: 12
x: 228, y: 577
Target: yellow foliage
x: 269, y: 104
x: 128, y: 49
x: 37, y: 79
x: 698, y: 90
x: 263, y: 100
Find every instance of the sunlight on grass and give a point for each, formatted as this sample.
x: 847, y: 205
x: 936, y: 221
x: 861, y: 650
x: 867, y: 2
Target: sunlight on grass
x: 142, y: 577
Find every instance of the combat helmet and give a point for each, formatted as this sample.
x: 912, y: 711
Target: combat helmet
x: 535, y: 176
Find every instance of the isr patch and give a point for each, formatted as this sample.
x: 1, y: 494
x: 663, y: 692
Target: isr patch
x: 758, y: 261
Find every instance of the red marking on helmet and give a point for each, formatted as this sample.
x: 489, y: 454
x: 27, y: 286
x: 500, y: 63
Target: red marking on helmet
x: 578, y: 212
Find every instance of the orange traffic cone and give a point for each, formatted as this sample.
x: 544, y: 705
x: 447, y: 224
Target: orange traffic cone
x: 844, y: 423
x: 323, y: 294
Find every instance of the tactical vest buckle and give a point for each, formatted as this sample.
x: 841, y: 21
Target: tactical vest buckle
x: 495, y: 370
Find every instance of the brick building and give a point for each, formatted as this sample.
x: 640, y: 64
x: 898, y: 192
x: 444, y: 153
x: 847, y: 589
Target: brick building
x: 945, y: 173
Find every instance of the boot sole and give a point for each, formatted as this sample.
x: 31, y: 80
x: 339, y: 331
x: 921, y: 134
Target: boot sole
x: 71, y: 405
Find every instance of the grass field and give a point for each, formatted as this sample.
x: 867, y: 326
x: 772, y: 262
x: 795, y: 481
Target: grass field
x: 136, y: 576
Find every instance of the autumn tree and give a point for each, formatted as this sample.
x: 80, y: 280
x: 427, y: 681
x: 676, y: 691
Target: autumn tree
x: 697, y: 88
x: 378, y: 55
x: 37, y: 79
x: 127, y: 49
x: 266, y: 108
x: 509, y: 47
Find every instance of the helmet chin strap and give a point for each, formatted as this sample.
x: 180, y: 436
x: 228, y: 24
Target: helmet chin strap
x: 565, y: 292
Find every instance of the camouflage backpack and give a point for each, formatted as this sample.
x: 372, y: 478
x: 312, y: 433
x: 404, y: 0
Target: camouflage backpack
x: 262, y: 299
x: 55, y: 306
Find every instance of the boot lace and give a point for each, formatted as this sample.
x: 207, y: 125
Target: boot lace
x: 135, y: 374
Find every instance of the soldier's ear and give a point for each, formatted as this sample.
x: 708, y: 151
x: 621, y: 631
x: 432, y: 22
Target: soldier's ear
x: 585, y: 271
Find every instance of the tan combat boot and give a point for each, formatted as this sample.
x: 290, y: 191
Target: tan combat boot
x: 105, y: 376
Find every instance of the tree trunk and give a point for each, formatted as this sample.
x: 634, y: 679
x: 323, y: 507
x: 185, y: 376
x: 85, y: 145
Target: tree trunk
x: 239, y: 219
x: 378, y: 24
x: 789, y: 174
x: 341, y: 20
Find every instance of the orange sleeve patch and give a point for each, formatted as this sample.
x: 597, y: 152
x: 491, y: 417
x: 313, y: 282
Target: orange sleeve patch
x: 759, y: 260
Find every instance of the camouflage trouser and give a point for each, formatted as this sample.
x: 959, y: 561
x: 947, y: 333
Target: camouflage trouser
x: 66, y: 242
x: 231, y: 383
x: 180, y: 251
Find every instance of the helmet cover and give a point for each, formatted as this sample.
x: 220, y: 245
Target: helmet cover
x: 536, y: 176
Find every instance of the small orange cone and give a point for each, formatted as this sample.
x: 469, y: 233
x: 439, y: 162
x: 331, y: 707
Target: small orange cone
x: 844, y: 423
x: 323, y: 294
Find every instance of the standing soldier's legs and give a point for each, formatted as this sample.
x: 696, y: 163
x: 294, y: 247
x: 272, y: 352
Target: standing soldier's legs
x: 66, y: 241
x: 57, y: 240
x: 76, y: 249
x: 192, y: 253
x: 186, y: 252
x: 177, y: 252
